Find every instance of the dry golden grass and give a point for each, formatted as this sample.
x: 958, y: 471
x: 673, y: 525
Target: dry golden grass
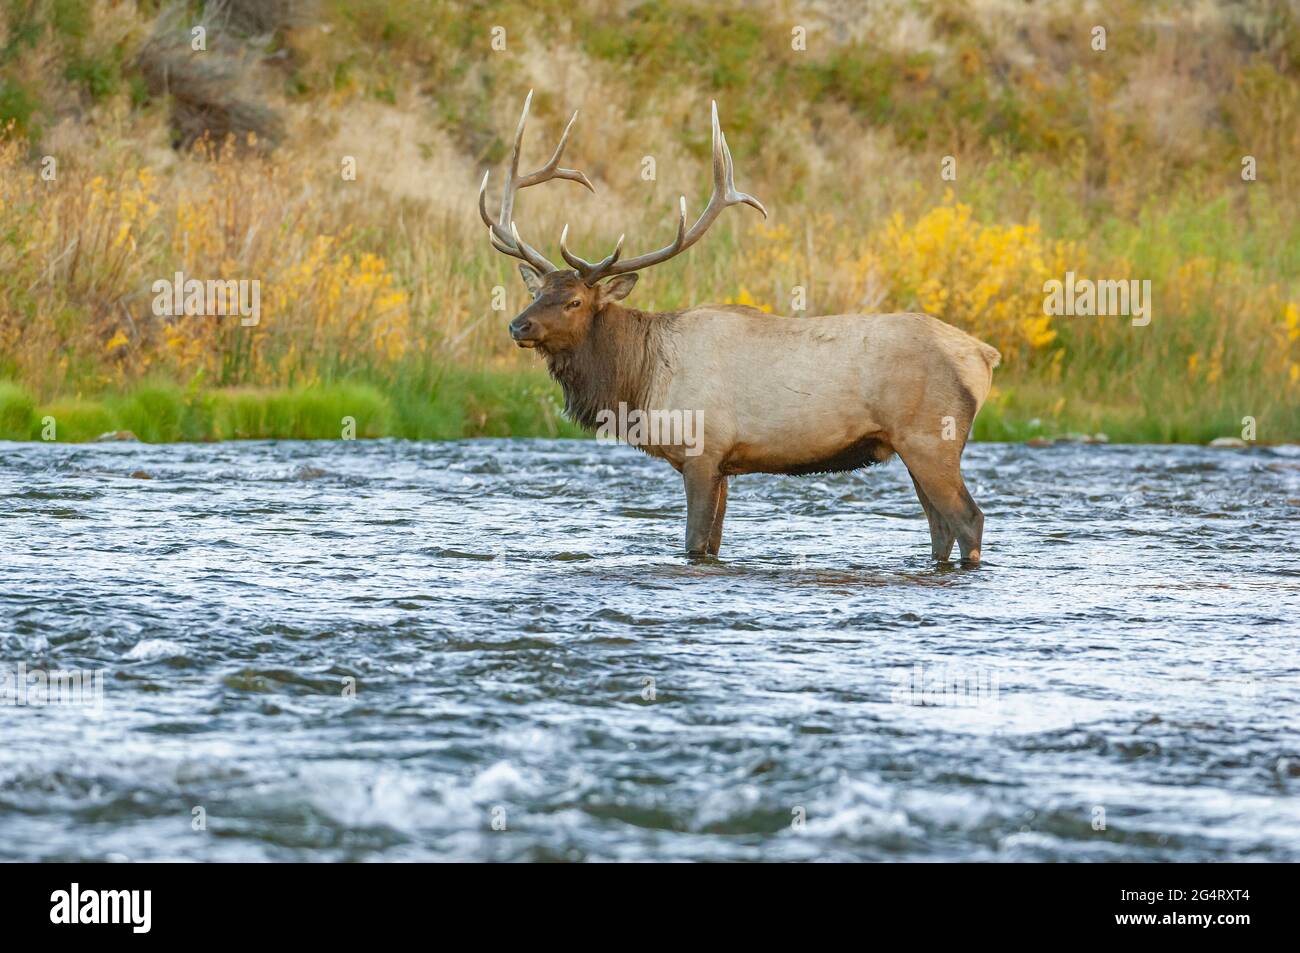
x: 1122, y: 164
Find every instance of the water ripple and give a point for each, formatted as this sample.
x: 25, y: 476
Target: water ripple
x: 492, y: 650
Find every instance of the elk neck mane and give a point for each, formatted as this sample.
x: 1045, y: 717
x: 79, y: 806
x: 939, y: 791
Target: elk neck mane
x: 618, y: 361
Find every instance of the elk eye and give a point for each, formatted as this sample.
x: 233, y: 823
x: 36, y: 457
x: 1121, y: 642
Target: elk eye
x: 575, y: 303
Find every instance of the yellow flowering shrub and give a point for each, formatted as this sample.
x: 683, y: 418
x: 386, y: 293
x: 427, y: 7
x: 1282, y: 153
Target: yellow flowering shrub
x: 91, y: 246
x: 323, y: 306
x: 1291, y: 333
x: 985, y: 279
x: 743, y: 297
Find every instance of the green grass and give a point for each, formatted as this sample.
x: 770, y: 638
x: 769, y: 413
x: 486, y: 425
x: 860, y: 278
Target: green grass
x: 17, y: 412
x: 455, y: 403
x: 447, y: 404
x: 302, y: 414
x: 72, y: 421
x: 1021, y: 410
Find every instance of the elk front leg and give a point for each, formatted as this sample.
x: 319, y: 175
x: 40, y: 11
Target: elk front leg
x: 719, y: 513
x: 702, y: 478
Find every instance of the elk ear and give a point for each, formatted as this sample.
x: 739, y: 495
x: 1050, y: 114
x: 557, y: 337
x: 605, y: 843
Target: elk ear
x: 617, y: 288
x: 532, y: 279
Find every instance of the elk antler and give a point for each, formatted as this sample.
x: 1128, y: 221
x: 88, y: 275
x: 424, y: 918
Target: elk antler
x: 724, y: 194
x: 502, y: 233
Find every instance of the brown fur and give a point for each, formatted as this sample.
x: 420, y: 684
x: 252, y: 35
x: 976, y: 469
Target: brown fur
x: 614, y: 363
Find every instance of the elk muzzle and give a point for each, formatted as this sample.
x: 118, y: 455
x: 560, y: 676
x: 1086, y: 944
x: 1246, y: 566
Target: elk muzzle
x: 524, y: 331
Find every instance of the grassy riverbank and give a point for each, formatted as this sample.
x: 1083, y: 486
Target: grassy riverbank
x: 945, y: 157
x: 456, y: 403
x: 449, y: 405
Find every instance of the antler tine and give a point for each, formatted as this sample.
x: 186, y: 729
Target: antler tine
x: 500, y: 245
x: 502, y: 232
x: 512, y: 171
x: 729, y: 181
x: 681, y: 226
x: 530, y: 254
x: 502, y: 240
x: 724, y: 195
x: 721, y: 155
x: 724, y: 179
x: 552, y: 168
x: 581, y: 265
x: 482, y: 204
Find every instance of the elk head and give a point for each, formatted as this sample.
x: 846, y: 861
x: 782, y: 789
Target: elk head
x: 566, y: 301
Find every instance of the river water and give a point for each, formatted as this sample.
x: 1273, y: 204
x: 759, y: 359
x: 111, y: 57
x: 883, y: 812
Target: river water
x: 492, y: 650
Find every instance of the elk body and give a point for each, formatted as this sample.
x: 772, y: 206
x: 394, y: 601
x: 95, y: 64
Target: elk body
x: 774, y: 394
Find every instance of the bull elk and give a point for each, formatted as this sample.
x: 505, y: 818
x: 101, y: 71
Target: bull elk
x: 776, y: 394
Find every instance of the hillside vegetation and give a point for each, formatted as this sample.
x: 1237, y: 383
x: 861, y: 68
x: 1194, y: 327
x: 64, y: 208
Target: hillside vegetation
x: 378, y: 295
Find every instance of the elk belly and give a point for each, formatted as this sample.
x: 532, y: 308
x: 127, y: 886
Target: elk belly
x: 863, y: 451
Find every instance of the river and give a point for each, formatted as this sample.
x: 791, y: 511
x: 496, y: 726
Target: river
x: 493, y: 650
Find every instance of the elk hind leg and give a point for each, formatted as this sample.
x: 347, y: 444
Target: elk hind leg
x: 934, y: 466
x: 941, y: 535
